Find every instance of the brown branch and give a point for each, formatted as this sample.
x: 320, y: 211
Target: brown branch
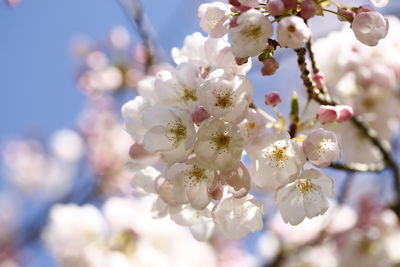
x: 359, y: 167
x: 134, y: 11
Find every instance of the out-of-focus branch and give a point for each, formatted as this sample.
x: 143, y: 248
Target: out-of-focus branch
x: 134, y: 11
x: 366, y: 130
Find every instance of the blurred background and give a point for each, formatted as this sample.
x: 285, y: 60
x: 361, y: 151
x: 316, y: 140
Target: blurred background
x: 66, y: 67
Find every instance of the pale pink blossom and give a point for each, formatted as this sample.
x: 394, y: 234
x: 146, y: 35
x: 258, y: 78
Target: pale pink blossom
x: 370, y: 27
x: 214, y: 18
x: 293, y: 32
x: 321, y: 148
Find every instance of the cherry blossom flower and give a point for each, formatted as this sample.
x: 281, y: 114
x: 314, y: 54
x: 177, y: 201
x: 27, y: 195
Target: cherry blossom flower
x: 132, y: 112
x: 321, y: 148
x: 178, y: 87
x: 226, y: 97
x: 170, y: 131
x: 200, y: 222
x: 293, y: 32
x: 236, y: 217
x: 305, y: 197
x: 191, y: 183
x: 278, y: 158
x: 219, y: 145
x: 214, y: 18
x: 250, y: 37
x: 370, y: 27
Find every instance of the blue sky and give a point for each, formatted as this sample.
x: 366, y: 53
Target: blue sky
x: 37, y: 71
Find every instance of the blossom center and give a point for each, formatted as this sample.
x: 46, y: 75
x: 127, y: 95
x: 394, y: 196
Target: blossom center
x: 221, y: 141
x: 277, y: 154
x: 194, y: 176
x: 304, y: 185
x: 291, y: 28
x: 177, y: 132
x: 252, y: 31
x: 189, y: 95
x: 224, y: 99
x: 324, y: 146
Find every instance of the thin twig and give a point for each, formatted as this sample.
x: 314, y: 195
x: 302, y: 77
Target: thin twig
x: 134, y: 11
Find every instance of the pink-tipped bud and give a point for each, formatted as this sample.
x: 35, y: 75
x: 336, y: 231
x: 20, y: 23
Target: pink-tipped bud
x: 272, y: 99
x: 365, y: 8
x: 327, y: 114
x: 345, y: 14
x: 319, y: 80
x: 270, y: 66
x: 345, y: 112
x: 137, y: 152
x: 275, y: 7
x: 241, y: 60
x: 199, y: 115
x: 308, y: 9
x: 290, y: 4
x: 235, y: 3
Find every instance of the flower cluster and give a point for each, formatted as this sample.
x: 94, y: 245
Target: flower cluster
x: 196, y: 130
x: 250, y: 25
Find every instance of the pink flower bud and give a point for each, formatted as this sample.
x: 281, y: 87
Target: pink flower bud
x: 365, y: 8
x: 234, y: 3
x: 137, y: 152
x: 308, y: 9
x: 199, y: 115
x: 345, y: 112
x: 327, y: 114
x: 319, y: 80
x: 270, y: 66
x: 345, y: 14
x: 241, y: 60
x: 275, y: 7
x: 290, y: 4
x: 272, y: 99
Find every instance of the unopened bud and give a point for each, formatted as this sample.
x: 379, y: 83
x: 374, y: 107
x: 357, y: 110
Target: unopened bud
x: 308, y: 9
x: 327, y: 114
x: 290, y: 4
x: 199, y: 115
x: 275, y: 7
x: 272, y: 99
x: 270, y: 66
x: 137, y: 152
x: 345, y: 112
